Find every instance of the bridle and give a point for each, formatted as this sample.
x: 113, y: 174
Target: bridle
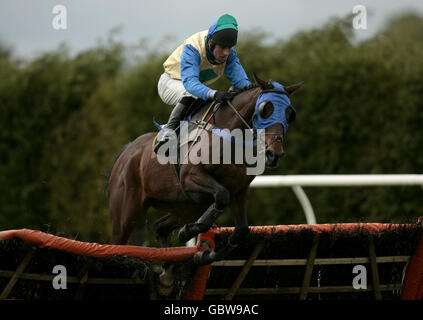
x: 277, y: 137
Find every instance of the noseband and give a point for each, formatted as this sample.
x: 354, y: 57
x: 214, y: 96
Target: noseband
x: 276, y: 138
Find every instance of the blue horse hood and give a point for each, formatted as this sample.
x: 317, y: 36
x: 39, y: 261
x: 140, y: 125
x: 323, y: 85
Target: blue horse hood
x: 280, y: 102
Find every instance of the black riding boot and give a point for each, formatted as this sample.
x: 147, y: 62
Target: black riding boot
x: 175, y: 117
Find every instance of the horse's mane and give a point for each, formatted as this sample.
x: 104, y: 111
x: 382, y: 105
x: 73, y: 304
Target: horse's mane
x: 238, y: 91
x: 246, y: 88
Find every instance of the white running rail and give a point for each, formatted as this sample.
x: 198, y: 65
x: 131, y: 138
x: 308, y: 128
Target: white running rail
x: 296, y: 182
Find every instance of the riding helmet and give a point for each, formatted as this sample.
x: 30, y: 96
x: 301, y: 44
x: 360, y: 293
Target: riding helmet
x: 226, y: 31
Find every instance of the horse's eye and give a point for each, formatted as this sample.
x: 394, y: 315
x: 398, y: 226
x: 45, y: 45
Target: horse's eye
x: 265, y: 109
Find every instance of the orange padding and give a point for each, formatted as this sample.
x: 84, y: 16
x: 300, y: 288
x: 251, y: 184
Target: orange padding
x: 413, y: 282
x: 320, y: 228
x: 198, y: 283
x: 42, y: 240
x: 414, y: 277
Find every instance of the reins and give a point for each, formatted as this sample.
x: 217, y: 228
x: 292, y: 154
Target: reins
x: 277, y: 137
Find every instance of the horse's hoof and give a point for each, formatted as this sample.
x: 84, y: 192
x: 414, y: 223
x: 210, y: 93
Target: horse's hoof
x: 163, y: 290
x: 164, y: 286
x: 204, y: 257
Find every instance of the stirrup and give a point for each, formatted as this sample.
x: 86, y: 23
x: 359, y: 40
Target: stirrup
x: 162, y: 138
x: 164, y: 135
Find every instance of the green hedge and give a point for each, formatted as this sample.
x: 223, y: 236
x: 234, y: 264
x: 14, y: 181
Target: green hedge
x: 64, y: 117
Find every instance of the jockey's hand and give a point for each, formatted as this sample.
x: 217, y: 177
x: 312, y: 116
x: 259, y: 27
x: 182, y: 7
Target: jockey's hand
x: 223, y: 96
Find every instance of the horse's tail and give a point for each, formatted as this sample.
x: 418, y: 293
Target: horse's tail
x: 106, y: 183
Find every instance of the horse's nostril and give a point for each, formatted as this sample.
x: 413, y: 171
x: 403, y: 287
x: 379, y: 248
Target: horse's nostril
x: 270, y: 154
x: 274, y: 155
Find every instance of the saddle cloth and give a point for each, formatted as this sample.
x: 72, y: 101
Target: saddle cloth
x: 195, y: 119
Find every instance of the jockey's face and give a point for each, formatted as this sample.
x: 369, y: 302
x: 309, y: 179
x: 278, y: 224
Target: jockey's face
x: 221, y: 53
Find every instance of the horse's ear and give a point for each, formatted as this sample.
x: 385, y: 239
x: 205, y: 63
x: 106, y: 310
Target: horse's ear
x: 291, y: 89
x: 290, y: 114
x: 261, y: 83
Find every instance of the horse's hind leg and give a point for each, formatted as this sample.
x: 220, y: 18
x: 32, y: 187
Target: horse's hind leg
x: 163, y: 227
x: 139, y: 236
x: 127, y: 211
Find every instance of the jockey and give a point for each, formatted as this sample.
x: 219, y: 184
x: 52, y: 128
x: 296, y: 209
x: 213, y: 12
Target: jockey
x: 199, y: 61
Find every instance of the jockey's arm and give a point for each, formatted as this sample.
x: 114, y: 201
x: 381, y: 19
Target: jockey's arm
x: 235, y: 72
x: 190, y: 74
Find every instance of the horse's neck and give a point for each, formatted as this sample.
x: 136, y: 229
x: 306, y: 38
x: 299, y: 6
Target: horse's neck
x: 244, y: 103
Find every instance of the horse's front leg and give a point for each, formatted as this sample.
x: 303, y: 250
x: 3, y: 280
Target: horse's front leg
x: 196, y: 184
x: 239, y: 211
x: 203, y: 224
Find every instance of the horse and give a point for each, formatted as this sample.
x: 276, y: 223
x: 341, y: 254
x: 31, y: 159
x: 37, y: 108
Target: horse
x: 195, y: 199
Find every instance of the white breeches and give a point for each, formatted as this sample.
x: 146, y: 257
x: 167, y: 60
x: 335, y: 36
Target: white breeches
x: 171, y: 90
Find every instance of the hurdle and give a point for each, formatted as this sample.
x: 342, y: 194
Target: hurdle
x: 28, y: 257
x: 304, y: 262
x: 268, y: 266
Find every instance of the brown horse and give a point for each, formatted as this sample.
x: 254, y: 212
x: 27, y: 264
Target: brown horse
x: 138, y: 180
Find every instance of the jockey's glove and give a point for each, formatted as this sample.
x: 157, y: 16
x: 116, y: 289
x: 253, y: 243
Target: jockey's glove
x: 223, y: 96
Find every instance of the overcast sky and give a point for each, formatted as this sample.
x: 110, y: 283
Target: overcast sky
x: 26, y: 25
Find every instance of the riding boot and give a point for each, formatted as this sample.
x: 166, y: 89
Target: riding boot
x: 175, y: 117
